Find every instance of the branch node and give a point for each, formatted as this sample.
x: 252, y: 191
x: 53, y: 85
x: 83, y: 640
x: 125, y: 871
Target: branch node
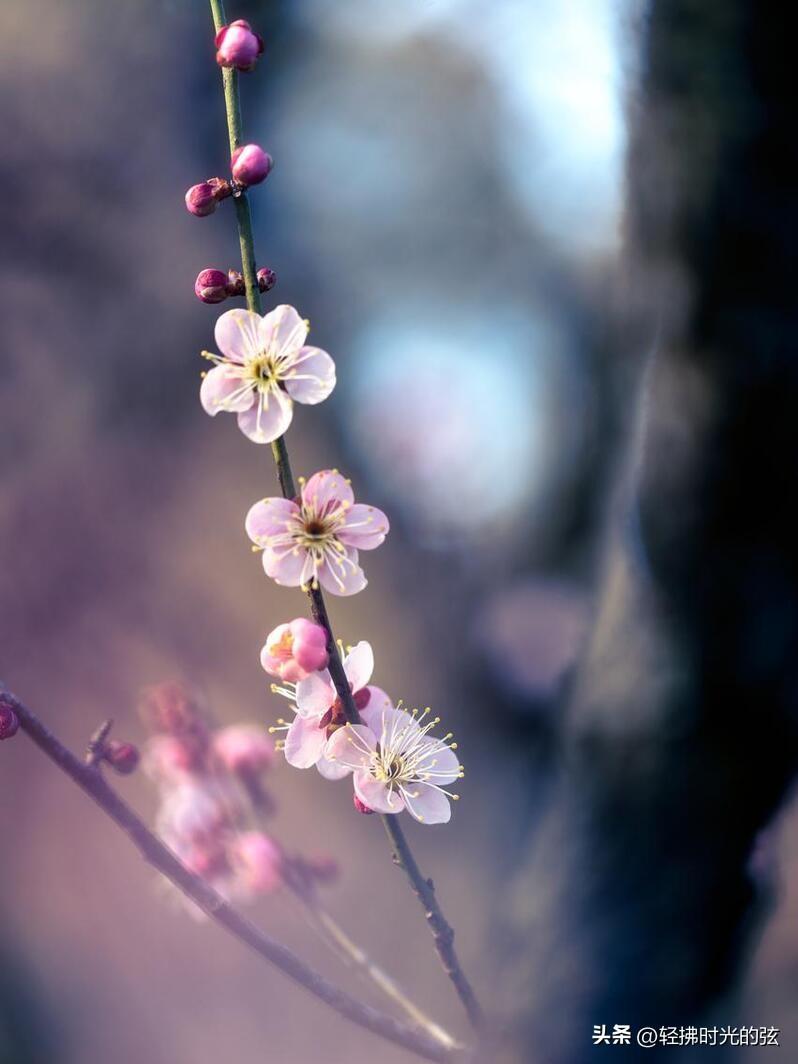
x: 96, y: 748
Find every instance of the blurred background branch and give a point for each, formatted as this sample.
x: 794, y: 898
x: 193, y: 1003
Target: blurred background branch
x: 90, y: 779
x: 681, y: 735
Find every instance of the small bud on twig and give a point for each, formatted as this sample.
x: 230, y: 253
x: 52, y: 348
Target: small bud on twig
x: 211, y: 286
x: 203, y: 199
x: 238, y: 46
x: 9, y: 721
x: 361, y: 806
x: 250, y: 165
x: 267, y: 279
x: 122, y: 757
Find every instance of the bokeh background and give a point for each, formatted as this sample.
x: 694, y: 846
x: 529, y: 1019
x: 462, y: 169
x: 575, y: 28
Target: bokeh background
x: 447, y: 209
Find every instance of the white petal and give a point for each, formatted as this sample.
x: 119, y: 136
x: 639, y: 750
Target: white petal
x: 376, y: 794
x: 237, y: 334
x: 311, y: 376
x: 223, y: 389
x: 359, y: 665
x: 426, y: 804
x: 352, y: 745
x: 282, y: 332
x: 332, y: 770
x: 315, y: 694
x: 268, y: 417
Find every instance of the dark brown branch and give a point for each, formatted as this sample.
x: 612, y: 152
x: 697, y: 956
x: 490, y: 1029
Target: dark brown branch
x: 92, y: 782
x: 441, y: 930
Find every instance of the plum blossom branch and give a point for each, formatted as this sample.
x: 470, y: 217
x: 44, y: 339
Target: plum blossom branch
x: 441, y: 930
x: 91, y: 780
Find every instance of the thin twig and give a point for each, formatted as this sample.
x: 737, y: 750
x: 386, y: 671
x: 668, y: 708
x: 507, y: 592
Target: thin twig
x: 93, y: 783
x: 352, y: 954
x: 441, y: 930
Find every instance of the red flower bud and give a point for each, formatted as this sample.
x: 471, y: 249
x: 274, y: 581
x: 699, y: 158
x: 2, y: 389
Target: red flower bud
x: 237, y: 45
x: 267, y: 279
x: 250, y: 164
x: 211, y: 286
x: 122, y: 757
x: 201, y: 199
x: 9, y: 721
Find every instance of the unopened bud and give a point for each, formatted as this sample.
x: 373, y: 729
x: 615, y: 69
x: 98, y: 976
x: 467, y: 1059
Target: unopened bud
x: 250, y: 164
x: 122, y: 757
x: 237, y: 45
x: 361, y: 806
x: 211, y: 286
x: 201, y: 199
x: 267, y: 279
x: 9, y: 721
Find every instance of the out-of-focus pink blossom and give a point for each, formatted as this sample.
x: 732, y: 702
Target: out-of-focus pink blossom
x: 258, y: 860
x: 294, y: 650
x: 316, y: 540
x: 397, y: 764
x: 245, y: 749
x: 167, y: 759
x: 238, y: 46
x: 265, y: 366
x: 250, y: 164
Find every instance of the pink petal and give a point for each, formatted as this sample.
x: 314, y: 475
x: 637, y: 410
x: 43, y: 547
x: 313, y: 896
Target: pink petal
x: 390, y: 722
x: 304, y: 743
x: 283, y: 332
x: 376, y: 794
x: 332, y: 770
x: 378, y: 704
x: 269, y: 517
x: 343, y: 580
x: 315, y: 694
x: 359, y: 665
x: 426, y: 804
x: 218, y: 385
x: 326, y: 491
x: 237, y: 334
x: 285, y: 566
x: 268, y: 417
x: 365, y: 527
x: 311, y: 377
x: 351, y: 745
x: 441, y: 765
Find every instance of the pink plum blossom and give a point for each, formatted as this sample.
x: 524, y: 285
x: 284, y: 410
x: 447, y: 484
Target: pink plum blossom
x: 244, y: 749
x: 258, y: 861
x: 315, y: 539
x: 292, y: 651
x: 397, y: 764
x: 319, y: 711
x: 264, y: 368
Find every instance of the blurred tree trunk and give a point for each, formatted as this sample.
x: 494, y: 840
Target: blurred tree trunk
x: 636, y: 903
